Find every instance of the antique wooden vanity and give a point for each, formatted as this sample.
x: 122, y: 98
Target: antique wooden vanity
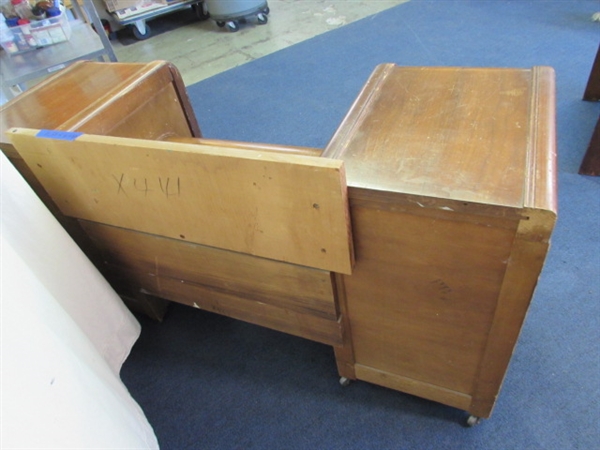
x: 413, y: 247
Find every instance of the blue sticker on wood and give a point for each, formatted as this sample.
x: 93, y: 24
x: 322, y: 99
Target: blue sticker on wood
x: 59, y: 135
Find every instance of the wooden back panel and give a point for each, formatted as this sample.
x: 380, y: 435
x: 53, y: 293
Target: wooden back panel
x: 290, y: 208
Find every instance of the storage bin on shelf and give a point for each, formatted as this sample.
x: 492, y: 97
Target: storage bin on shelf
x: 35, y: 34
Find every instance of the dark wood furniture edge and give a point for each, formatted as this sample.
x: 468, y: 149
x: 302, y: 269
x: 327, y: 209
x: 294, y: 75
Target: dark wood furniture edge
x: 592, y: 90
x: 185, y: 101
x: 590, y: 165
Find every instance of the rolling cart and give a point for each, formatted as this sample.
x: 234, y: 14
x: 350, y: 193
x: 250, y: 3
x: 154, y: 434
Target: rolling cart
x: 137, y: 16
x: 231, y: 13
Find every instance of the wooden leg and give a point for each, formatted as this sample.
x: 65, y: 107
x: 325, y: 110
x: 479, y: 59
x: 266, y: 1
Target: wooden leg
x: 592, y: 90
x: 149, y: 305
x: 591, y: 161
x: 344, y: 355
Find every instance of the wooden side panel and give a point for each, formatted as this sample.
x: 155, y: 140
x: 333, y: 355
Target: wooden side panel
x: 151, y: 108
x: 423, y: 294
x: 344, y: 354
x: 526, y: 261
x: 289, y: 208
x: 308, y: 151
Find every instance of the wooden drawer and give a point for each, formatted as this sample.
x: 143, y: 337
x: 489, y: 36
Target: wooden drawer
x: 286, y: 297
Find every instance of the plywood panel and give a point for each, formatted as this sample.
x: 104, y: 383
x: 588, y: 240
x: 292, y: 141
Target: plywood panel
x: 289, y: 208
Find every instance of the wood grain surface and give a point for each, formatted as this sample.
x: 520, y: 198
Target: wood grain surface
x: 289, y: 208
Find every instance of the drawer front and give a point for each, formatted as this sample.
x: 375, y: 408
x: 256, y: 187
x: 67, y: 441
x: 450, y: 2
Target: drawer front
x: 289, y: 298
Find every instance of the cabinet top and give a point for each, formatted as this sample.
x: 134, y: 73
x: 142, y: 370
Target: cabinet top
x: 73, y: 95
x: 468, y: 134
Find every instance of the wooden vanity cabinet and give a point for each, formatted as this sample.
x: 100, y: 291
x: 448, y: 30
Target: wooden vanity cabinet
x: 451, y: 193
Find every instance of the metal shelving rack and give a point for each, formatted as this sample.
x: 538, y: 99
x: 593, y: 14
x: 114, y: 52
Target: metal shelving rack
x: 17, y: 70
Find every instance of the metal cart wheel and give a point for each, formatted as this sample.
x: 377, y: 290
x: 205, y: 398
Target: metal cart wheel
x: 141, y: 32
x: 200, y: 11
x: 473, y: 420
x: 262, y: 18
x: 232, y: 26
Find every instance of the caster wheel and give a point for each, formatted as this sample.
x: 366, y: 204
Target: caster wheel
x: 266, y: 10
x: 344, y: 381
x: 139, y: 35
x: 220, y: 24
x: 473, y: 420
x: 262, y: 18
x: 232, y: 26
x: 200, y: 11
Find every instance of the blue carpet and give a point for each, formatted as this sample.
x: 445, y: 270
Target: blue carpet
x: 209, y: 382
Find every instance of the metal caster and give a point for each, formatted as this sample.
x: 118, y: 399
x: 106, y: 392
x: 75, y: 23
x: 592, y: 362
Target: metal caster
x: 345, y: 381
x: 262, y: 18
x: 473, y: 420
x: 232, y: 26
x: 201, y: 11
x: 141, y: 30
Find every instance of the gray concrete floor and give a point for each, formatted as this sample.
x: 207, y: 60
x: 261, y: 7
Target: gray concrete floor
x: 201, y: 49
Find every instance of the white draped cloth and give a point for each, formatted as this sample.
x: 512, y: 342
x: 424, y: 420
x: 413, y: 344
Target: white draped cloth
x: 65, y: 335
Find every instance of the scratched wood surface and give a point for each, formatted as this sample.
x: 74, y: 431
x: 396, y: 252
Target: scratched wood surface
x: 440, y: 132
x: 289, y: 208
